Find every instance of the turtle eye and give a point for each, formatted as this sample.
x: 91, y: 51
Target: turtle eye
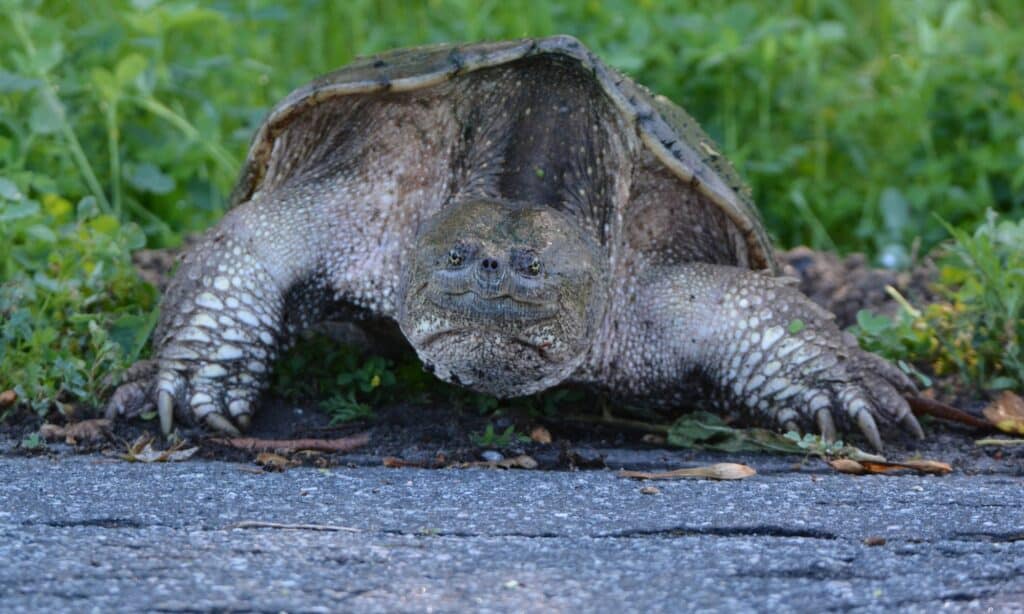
x: 533, y: 268
x: 455, y: 258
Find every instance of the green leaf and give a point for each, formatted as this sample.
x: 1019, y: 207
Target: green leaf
x: 871, y: 323
x: 9, y: 190
x: 1001, y: 383
x: 12, y: 83
x: 133, y: 236
x: 130, y: 332
x: 149, y: 178
x: 796, y: 326
x: 44, y: 118
x: 87, y: 208
x: 895, y: 210
x: 41, y: 233
x: 105, y: 224
x: 17, y: 211
x: 706, y: 431
x: 105, y: 84
x: 128, y: 68
x: 46, y: 57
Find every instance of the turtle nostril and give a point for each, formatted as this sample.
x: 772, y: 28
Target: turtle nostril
x: 489, y: 264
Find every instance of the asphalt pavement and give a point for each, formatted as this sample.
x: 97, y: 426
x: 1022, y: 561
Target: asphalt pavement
x: 88, y: 533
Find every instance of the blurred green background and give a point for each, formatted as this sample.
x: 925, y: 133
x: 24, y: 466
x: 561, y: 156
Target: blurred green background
x: 860, y: 126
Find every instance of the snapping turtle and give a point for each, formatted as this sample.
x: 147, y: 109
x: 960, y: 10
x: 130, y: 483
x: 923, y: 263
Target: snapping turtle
x: 528, y: 216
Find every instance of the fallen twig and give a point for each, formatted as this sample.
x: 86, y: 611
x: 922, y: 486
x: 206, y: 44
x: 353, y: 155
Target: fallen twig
x: 608, y: 420
x: 998, y: 441
x: 930, y: 407
x: 342, y: 444
x: 259, y: 524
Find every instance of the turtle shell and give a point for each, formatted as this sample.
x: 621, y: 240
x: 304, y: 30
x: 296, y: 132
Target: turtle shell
x: 670, y: 135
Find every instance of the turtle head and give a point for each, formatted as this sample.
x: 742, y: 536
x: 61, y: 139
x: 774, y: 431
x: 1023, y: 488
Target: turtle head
x: 502, y: 297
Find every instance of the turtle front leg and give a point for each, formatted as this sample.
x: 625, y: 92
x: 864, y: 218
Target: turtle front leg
x: 235, y: 302
x: 764, y: 348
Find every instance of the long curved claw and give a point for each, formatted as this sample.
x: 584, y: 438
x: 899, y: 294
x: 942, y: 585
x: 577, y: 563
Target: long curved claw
x: 870, y: 429
x: 165, y: 408
x: 826, y: 425
x: 222, y: 424
x: 910, y: 423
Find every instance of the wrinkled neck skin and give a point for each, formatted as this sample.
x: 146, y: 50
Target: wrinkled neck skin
x: 502, y: 297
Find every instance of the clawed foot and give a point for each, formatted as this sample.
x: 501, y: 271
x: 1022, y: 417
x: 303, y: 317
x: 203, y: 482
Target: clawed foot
x: 812, y: 381
x: 146, y: 388
x: 211, y: 375
x: 223, y: 404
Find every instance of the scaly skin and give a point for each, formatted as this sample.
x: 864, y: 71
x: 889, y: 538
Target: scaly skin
x: 757, y: 344
x: 229, y: 311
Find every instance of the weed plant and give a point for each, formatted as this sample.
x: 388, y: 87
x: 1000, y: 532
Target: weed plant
x: 123, y: 124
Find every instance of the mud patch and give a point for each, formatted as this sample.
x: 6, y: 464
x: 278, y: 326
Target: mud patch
x: 844, y: 286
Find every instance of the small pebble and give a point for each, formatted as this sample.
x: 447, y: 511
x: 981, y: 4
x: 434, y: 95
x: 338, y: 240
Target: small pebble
x: 650, y: 490
x: 491, y: 456
x: 874, y: 540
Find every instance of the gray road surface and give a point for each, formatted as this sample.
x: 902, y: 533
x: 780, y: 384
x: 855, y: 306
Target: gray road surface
x: 91, y: 534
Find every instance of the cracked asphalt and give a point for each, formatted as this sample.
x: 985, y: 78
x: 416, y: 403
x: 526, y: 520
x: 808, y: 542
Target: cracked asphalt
x: 86, y: 533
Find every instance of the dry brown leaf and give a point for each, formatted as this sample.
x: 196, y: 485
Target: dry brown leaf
x: 146, y: 454
x: 51, y: 432
x: 523, y: 461
x: 1007, y: 413
x: 877, y: 467
x: 540, y: 435
x: 86, y: 430
x: 928, y: 466
x: 7, y: 397
x: 845, y: 465
x: 342, y: 444
x: 863, y: 467
x: 393, y: 462
x: 718, y: 471
x: 273, y: 462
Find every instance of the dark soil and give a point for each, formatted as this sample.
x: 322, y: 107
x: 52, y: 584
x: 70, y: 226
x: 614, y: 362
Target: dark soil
x: 434, y: 435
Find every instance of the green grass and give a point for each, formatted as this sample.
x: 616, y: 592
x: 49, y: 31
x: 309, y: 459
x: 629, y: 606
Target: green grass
x: 858, y: 124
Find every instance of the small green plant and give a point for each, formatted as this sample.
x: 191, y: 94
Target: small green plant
x: 975, y: 331
x: 72, y: 308
x: 814, y: 444
x: 353, y: 383
x: 346, y: 408
x: 898, y: 339
x: 32, y: 442
x: 702, y: 430
x: 490, y: 438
